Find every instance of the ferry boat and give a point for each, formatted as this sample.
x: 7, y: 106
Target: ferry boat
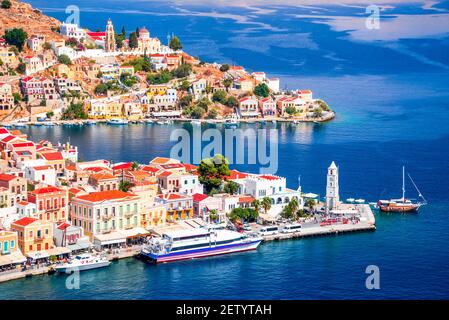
x: 402, y: 205
x: 197, y: 243
x: 117, y: 121
x: 83, y: 262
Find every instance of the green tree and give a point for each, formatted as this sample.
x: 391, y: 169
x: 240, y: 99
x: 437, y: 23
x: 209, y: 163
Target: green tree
x: 74, y: 111
x: 21, y: 68
x: 133, y: 41
x: 262, y: 90
x: 219, y: 96
x: 245, y: 214
x: 135, y: 166
x: 64, y: 59
x: 17, y: 97
x: 101, y: 89
x: 159, y: 78
x: 317, y: 113
x: 212, y: 171
x: 266, y: 204
x: 175, y: 44
x: 185, y: 101
x: 185, y: 85
x: 49, y: 114
x: 197, y: 112
x: 256, y: 204
x: 224, y: 67
x: 232, y: 102
x: 182, y: 71
x: 212, y: 114
x: 213, y: 215
x: 6, y: 4
x: 231, y: 187
x: 227, y: 83
x: 290, y: 110
x: 125, y: 186
x: 46, y: 46
x: 16, y: 37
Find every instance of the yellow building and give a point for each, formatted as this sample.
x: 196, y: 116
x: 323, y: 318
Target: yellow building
x: 105, y: 109
x: 62, y: 70
x: 7, y: 57
x: 10, y: 254
x: 157, y: 89
x: 34, y: 236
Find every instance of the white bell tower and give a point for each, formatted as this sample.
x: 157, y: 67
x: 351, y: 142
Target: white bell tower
x: 332, y: 189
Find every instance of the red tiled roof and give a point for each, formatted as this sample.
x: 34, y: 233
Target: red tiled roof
x: 197, y: 197
x: 170, y: 196
x: 52, y: 156
x: 42, y: 168
x: 150, y: 169
x: 122, y: 166
x: 3, y: 130
x: 269, y: 177
x: 236, y: 175
x: 102, y: 176
x: 44, y: 190
x: 105, y: 195
x: 246, y: 199
x: 6, y: 177
x: 166, y: 174
x: 63, y: 226
x: 24, y: 221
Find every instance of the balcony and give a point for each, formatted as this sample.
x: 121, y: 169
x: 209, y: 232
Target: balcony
x: 38, y: 239
x: 129, y: 214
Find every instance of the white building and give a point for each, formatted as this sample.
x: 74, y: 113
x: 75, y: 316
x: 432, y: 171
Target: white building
x: 72, y: 30
x: 45, y: 174
x: 332, y: 188
x: 189, y: 184
x: 273, y: 187
x: 273, y: 84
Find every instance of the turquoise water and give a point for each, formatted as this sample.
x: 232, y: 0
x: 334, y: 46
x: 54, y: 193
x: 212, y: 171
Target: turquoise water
x: 392, y: 102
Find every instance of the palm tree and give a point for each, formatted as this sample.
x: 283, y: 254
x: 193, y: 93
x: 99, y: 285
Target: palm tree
x: 266, y: 204
x: 135, y: 166
x: 227, y: 83
x: 213, y: 215
x: 294, y: 205
x: 256, y: 204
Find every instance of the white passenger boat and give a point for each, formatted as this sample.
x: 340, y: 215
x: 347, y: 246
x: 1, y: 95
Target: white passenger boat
x: 117, y: 121
x: 197, y: 243
x: 91, y: 122
x: 83, y: 262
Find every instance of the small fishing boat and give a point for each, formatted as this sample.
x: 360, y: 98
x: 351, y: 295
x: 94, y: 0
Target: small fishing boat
x: 402, y: 205
x: 117, y: 121
x: 360, y: 201
x: 48, y: 123
x: 91, y: 122
x: 350, y: 200
x: 83, y: 262
x: 231, y: 123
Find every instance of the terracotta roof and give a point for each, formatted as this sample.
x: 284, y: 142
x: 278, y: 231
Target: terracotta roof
x: 150, y: 169
x: 122, y: 166
x: 269, y: 177
x: 63, y: 226
x: 165, y: 174
x: 38, y: 168
x: 52, y: 156
x: 246, y: 199
x: 6, y: 177
x: 160, y: 160
x: 197, y: 197
x: 24, y: 221
x: 105, y: 195
x: 45, y: 190
x: 171, y: 196
x: 102, y: 176
x: 236, y: 175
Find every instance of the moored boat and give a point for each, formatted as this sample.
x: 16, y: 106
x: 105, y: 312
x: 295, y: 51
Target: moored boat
x: 83, y: 262
x: 197, y: 243
x: 402, y: 205
x: 231, y: 123
x: 117, y: 121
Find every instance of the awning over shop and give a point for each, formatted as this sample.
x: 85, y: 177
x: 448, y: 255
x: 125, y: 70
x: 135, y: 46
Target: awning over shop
x: 12, y: 258
x: 38, y: 255
x: 57, y: 251
x: 134, y: 232
x: 109, y: 238
x: 80, y: 245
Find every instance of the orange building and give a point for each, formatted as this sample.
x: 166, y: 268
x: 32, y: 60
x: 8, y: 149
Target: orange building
x: 51, y: 202
x: 34, y: 235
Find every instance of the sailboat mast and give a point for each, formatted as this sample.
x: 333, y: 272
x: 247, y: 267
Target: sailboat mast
x: 403, y: 182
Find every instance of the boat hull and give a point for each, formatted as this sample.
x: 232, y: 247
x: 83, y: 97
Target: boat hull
x: 67, y: 269
x: 200, y: 253
x: 399, y: 209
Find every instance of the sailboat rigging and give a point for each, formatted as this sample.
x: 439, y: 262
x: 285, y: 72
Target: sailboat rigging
x: 403, y: 204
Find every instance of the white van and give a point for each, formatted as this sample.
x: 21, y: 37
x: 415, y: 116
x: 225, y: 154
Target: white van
x: 266, y: 231
x: 290, y: 228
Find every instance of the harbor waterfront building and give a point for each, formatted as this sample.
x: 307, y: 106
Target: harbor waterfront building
x: 105, y: 212
x: 34, y: 235
x: 332, y: 188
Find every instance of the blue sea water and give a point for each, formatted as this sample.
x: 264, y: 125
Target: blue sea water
x: 391, y: 96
